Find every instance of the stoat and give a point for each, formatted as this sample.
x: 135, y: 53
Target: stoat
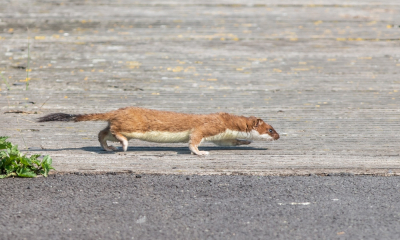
x: 171, y: 127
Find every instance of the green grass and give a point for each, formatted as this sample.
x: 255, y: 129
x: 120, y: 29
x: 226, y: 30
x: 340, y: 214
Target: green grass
x: 14, y: 163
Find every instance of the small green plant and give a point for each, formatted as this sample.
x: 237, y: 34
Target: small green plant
x: 14, y: 163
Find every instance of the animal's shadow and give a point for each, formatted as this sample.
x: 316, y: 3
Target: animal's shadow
x: 178, y: 150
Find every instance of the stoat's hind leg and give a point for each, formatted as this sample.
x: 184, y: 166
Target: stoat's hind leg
x: 194, y: 142
x: 123, y: 140
x: 231, y: 142
x: 105, y: 135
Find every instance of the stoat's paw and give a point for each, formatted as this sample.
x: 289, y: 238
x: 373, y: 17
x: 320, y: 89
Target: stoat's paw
x: 201, y: 153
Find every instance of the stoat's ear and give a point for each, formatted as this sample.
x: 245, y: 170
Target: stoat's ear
x: 259, y: 121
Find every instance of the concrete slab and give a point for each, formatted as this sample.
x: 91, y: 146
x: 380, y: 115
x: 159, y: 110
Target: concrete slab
x: 324, y: 74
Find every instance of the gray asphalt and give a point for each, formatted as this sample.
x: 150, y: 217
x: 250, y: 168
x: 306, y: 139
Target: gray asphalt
x: 131, y: 206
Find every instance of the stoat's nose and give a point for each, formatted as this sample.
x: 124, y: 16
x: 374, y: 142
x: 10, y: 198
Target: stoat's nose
x: 276, y: 137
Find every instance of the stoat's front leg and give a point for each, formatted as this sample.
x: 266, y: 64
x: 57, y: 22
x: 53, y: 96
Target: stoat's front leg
x: 195, y: 139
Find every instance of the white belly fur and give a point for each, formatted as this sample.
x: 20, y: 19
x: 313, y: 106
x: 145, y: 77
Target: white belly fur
x: 229, y: 134
x: 177, y: 137
x: 160, y: 137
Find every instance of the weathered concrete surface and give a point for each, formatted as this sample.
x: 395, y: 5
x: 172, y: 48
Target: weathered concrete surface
x: 324, y: 73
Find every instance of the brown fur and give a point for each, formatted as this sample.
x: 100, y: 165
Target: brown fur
x: 141, y: 120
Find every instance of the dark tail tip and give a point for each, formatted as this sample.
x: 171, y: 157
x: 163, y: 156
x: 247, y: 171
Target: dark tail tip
x: 63, y: 117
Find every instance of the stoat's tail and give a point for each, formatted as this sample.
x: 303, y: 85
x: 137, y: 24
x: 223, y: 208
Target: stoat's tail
x: 63, y: 117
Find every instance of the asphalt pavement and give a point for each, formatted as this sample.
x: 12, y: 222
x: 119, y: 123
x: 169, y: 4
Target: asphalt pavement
x: 132, y: 206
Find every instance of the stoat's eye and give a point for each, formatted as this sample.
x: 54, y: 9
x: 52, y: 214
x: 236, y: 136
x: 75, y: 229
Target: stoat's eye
x: 271, y: 131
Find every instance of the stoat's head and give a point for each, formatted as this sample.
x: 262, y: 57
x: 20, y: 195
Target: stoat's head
x: 264, y: 131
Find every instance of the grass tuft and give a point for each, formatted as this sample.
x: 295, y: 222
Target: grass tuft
x: 14, y: 163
